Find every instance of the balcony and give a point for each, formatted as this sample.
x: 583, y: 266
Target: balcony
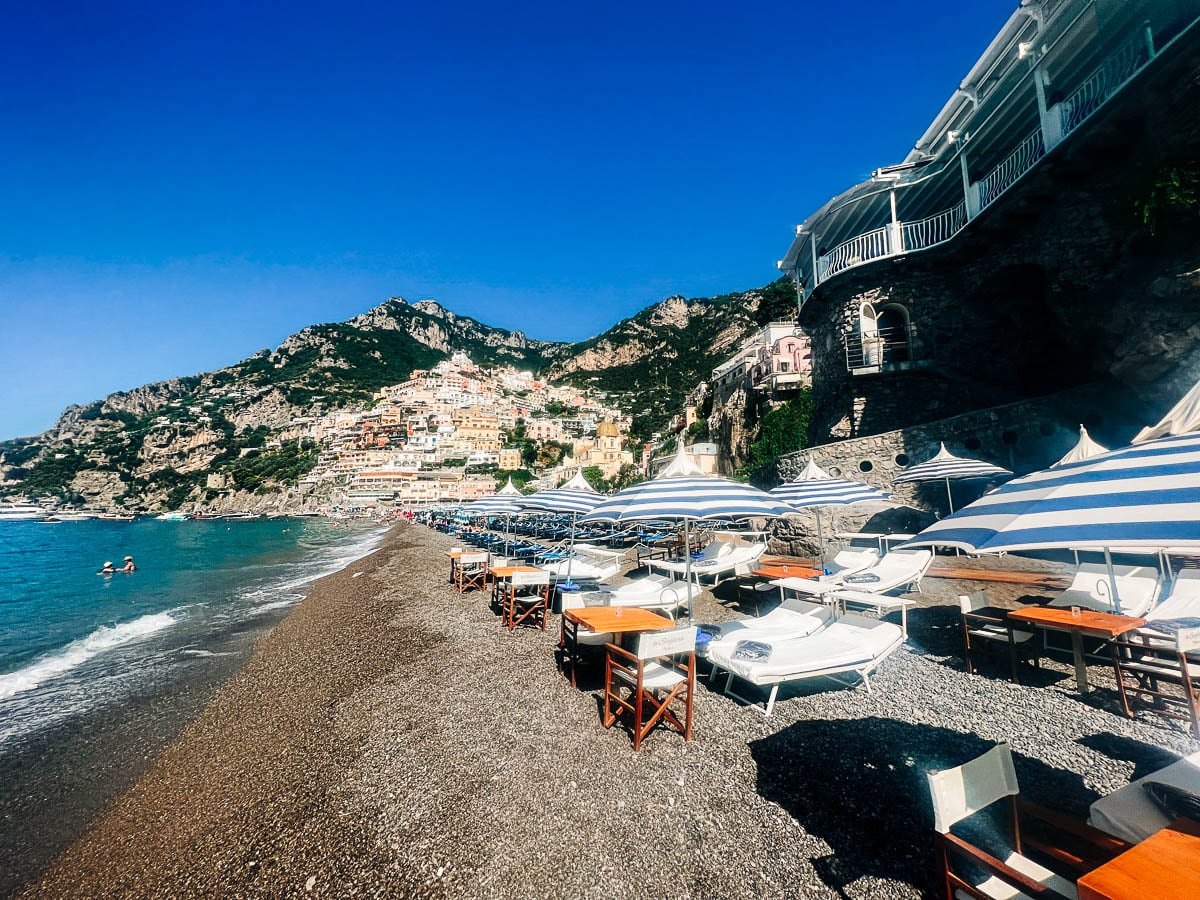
x: 883, y: 350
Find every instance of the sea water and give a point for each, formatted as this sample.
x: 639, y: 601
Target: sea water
x: 72, y: 640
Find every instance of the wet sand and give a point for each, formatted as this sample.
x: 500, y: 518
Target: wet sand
x: 390, y: 738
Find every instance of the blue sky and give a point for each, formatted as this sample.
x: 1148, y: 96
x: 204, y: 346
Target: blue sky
x: 186, y: 184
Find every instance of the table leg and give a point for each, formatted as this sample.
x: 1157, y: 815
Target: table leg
x: 1081, y: 678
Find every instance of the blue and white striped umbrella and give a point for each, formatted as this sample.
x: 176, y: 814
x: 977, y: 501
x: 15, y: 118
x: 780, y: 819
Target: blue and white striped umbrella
x: 682, y: 492
x: 1146, y: 495
x: 814, y: 487
x: 492, y: 506
x: 946, y: 466
x: 576, y: 496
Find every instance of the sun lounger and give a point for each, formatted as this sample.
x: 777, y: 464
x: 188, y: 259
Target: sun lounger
x: 587, y: 564
x: 1091, y: 588
x: 717, y: 559
x: 787, y: 621
x: 900, y: 568
x: 658, y: 592
x: 850, y: 561
x: 849, y: 645
x: 1131, y: 814
x: 1184, y: 600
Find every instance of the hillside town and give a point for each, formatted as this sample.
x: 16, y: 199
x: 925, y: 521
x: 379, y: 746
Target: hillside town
x: 447, y: 433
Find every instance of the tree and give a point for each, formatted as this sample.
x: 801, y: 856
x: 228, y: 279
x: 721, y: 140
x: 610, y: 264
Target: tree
x: 783, y: 430
x: 629, y: 474
x: 594, y: 476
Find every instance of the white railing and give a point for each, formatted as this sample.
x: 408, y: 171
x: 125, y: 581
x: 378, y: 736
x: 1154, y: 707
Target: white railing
x: 1103, y: 83
x: 1109, y: 78
x: 1005, y: 175
x: 935, y: 229
x: 854, y: 252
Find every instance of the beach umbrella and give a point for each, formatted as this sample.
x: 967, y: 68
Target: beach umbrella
x: 575, y: 498
x: 946, y: 466
x: 495, y: 506
x: 1086, y: 448
x: 683, y: 493
x: 1144, y: 496
x: 509, y: 490
x: 814, y: 488
x: 1184, y: 418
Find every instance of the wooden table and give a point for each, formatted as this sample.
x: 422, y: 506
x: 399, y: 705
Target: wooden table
x: 618, y: 619
x: 1088, y: 623
x: 504, y: 573
x: 1164, y: 866
x: 786, y: 571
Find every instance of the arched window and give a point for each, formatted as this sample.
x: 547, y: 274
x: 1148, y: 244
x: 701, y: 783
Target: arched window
x: 892, y: 325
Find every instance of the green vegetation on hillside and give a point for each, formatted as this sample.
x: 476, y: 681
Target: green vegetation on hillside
x: 783, y: 429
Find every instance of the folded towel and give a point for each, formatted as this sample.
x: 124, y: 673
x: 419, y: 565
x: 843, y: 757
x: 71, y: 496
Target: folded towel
x: 752, y: 651
x: 1175, y: 802
x: 861, y: 578
x: 1170, y: 626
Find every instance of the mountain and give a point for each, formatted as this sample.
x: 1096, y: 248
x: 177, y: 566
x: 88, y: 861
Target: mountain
x: 648, y: 363
x: 247, y: 424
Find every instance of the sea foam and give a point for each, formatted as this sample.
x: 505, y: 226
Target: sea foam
x: 76, y: 653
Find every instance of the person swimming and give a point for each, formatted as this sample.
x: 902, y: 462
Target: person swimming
x: 129, y: 566
x: 107, y: 568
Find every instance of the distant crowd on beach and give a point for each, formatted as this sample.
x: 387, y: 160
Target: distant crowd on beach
x: 107, y: 568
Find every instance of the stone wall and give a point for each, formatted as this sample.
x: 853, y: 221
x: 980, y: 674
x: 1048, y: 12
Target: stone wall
x: 1055, y: 286
x: 1022, y: 437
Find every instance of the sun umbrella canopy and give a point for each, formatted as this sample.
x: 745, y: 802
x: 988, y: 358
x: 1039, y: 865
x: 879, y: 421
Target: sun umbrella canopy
x: 681, y: 492
x: 492, y: 506
x: 509, y: 490
x: 576, y: 496
x: 1184, y: 418
x: 1086, y: 448
x: 1144, y: 496
x: 946, y: 465
x: 816, y: 487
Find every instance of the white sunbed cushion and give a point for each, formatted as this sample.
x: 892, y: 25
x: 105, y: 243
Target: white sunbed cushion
x: 1137, y: 587
x: 1184, y: 600
x: 655, y: 677
x: 847, y: 643
x: 791, y: 619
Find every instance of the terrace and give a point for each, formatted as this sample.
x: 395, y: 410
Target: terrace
x: 1050, y: 70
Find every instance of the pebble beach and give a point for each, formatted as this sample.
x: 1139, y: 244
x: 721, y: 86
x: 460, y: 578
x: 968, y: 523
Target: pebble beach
x: 390, y: 738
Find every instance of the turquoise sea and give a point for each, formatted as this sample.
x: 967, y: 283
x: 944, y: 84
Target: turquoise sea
x: 99, y: 672
x: 72, y: 640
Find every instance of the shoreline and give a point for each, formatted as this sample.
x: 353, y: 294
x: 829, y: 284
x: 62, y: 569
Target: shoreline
x: 389, y: 737
x: 58, y: 781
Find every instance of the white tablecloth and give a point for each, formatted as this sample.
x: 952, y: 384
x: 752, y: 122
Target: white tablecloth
x: 1131, y: 815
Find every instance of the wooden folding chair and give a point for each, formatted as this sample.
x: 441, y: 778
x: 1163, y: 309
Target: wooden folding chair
x: 961, y: 792
x: 1148, y: 665
x: 982, y: 625
x: 527, y: 600
x: 644, y: 683
x: 472, y: 572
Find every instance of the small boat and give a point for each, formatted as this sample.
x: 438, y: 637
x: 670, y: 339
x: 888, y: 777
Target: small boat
x: 21, y: 512
x: 173, y: 517
x: 116, y: 517
x: 71, y: 515
x: 50, y: 520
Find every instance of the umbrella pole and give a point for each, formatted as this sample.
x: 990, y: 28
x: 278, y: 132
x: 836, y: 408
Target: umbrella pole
x: 687, y: 569
x: 820, y: 541
x: 1112, y: 581
x: 571, y: 551
x: 950, y: 501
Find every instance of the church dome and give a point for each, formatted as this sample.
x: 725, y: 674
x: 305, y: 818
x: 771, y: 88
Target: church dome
x: 607, y: 429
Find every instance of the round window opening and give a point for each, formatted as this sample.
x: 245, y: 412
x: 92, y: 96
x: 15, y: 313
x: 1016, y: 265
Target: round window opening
x: 902, y: 459
x: 865, y: 466
x: 1009, y: 437
x: 972, y: 443
x: 835, y: 471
